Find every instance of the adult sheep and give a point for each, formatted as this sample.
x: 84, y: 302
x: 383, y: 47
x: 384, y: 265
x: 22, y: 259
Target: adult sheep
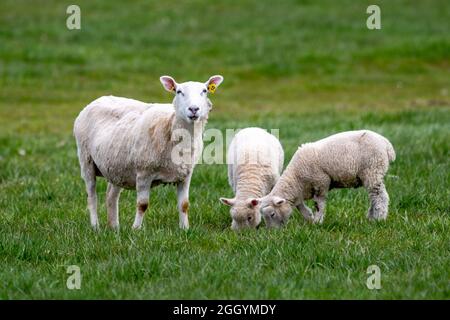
x: 345, y: 160
x: 130, y: 143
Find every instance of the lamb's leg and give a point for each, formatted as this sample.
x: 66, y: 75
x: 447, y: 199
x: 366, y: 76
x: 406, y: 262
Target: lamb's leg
x: 183, y: 202
x: 320, y: 208
x: 379, y: 202
x: 112, y: 204
x: 306, y: 212
x: 88, y: 174
x: 321, y: 187
x: 143, y: 192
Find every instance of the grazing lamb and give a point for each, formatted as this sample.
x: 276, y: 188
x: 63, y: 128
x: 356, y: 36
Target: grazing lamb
x: 130, y: 143
x: 344, y: 160
x: 255, y: 161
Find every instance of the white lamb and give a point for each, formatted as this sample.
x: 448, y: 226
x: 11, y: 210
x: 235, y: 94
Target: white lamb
x: 344, y: 160
x: 255, y: 162
x: 130, y: 143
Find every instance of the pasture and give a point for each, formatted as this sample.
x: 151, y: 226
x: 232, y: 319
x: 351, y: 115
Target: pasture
x: 307, y: 68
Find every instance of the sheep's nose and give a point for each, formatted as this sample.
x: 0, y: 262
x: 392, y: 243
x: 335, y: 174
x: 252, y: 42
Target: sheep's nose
x: 193, y: 109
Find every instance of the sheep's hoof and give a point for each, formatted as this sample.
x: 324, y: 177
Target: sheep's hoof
x: 184, y: 226
x: 311, y: 219
x: 137, y: 227
x: 114, y: 227
x: 376, y: 217
x: 95, y: 227
x: 318, y: 220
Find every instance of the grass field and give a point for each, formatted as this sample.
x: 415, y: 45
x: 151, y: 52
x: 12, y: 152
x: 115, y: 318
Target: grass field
x: 309, y: 68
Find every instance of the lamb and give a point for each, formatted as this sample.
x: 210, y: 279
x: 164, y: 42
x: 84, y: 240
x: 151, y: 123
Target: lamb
x: 255, y: 161
x: 344, y: 160
x: 130, y: 143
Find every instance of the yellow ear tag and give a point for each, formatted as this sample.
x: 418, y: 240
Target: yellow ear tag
x: 212, y: 87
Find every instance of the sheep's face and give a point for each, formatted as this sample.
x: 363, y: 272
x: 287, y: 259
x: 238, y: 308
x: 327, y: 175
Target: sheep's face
x: 245, y: 213
x: 275, y: 211
x: 191, y: 98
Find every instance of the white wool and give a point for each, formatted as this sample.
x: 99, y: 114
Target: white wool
x: 344, y: 160
x: 255, y: 162
x: 130, y: 143
x: 122, y: 136
x: 254, y: 147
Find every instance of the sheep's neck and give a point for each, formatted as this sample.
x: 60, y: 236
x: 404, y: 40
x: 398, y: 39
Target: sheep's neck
x: 289, y: 186
x: 251, y: 183
x: 192, y: 131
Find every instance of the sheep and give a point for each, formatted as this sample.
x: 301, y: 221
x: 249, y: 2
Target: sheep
x: 255, y: 161
x: 345, y: 160
x: 130, y: 143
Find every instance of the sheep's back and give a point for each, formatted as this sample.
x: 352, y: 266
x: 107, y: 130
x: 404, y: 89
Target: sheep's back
x: 254, y: 146
x: 113, y: 131
x: 345, y: 155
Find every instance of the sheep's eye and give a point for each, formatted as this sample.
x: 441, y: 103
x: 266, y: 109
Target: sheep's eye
x: 249, y: 218
x: 272, y: 214
x: 179, y: 91
x: 204, y: 91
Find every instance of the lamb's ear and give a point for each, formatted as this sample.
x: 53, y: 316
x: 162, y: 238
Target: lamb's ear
x: 253, y: 202
x: 168, y: 83
x: 277, y: 201
x: 213, y: 83
x: 228, y: 202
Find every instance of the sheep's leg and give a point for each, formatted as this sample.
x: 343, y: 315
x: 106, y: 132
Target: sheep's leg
x: 112, y: 205
x: 88, y: 174
x: 320, y: 202
x: 379, y: 202
x: 143, y: 193
x: 306, y: 212
x: 379, y: 198
x: 322, y: 185
x: 183, y: 202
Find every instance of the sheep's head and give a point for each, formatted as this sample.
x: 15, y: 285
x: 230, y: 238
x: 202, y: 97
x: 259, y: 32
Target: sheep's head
x: 275, y: 211
x: 245, y: 213
x: 191, y: 98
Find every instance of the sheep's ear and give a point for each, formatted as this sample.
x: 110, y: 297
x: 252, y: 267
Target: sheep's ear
x: 213, y: 83
x: 168, y: 83
x: 277, y: 201
x: 228, y: 202
x: 253, y: 202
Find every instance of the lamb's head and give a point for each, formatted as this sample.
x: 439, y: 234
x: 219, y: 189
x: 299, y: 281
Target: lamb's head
x: 275, y: 210
x: 191, y: 98
x: 245, y: 213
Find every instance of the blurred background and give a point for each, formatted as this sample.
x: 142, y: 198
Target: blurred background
x: 284, y: 57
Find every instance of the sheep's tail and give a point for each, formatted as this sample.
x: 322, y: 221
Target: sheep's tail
x: 390, y: 151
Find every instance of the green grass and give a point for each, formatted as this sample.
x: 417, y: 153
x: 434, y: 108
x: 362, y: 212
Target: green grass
x: 309, y: 68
